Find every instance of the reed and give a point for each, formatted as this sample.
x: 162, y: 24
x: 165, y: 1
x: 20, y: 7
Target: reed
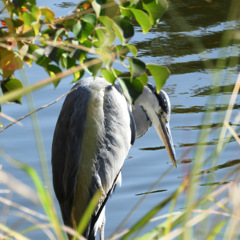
x: 210, y: 214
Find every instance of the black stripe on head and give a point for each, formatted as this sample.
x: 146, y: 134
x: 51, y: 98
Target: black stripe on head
x: 161, y: 97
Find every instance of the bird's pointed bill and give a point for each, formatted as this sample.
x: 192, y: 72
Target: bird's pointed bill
x: 164, y: 132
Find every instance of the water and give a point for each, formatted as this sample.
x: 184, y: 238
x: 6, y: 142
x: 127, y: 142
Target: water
x: 189, y: 88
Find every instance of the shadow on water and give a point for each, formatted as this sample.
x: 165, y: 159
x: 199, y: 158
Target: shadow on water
x: 204, y: 26
x: 228, y: 164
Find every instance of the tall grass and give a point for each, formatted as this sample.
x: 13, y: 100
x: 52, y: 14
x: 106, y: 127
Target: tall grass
x: 213, y: 215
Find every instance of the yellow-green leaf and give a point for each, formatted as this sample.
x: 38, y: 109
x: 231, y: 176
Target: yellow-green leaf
x: 48, y: 14
x: 159, y: 73
x: 142, y: 18
x: 11, y: 85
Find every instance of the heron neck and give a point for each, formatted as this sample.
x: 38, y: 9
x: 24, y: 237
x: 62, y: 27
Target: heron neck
x: 142, y: 112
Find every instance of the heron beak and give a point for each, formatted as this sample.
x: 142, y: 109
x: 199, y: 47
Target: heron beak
x: 164, y: 132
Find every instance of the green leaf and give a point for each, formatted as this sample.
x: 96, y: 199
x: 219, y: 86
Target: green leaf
x: 143, y: 79
x: 106, y: 21
x: 132, y: 48
x: 97, y: 7
x: 111, y: 10
x: 108, y: 24
x: 118, y: 32
x: 48, y: 14
x: 59, y: 33
x: 131, y: 88
x: 126, y: 27
x: 160, y: 74
x: 78, y: 75
x: 137, y: 67
x: 11, y: 85
x: 110, y: 76
x: 28, y: 19
x: 93, y: 70
x: 77, y: 28
x: 155, y: 9
x: 86, y: 31
x: 36, y: 13
x: 100, y: 37
x: 143, y: 19
x: 52, y: 71
x: 90, y: 18
x: 69, y: 23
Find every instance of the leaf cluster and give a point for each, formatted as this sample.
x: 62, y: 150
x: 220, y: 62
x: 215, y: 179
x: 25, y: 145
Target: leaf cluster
x: 97, y: 30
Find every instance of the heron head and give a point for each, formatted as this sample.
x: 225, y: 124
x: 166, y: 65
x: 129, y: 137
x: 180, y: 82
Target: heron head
x: 158, y: 109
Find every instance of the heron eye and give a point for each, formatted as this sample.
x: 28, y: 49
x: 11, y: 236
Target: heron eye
x: 161, y: 113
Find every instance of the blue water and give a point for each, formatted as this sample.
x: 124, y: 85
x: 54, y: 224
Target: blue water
x: 146, y: 163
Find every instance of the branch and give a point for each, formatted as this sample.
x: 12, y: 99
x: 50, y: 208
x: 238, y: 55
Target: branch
x: 36, y: 110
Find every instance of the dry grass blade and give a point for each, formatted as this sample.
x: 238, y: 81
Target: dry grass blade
x: 38, y: 109
x: 22, y: 91
x: 3, y: 115
x: 23, y: 209
x: 19, y: 187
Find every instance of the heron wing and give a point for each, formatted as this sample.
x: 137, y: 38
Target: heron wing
x: 66, y: 147
x: 91, y: 141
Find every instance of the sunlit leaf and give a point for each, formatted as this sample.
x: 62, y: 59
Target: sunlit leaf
x: 77, y: 28
x: 52, y: 71
x: 83, y: 54
x: 9, y: 62
x: 143, y: 79
x: 28, y: 20
x: 142, y: 18
x: 155, y: 9
x: 36, y: 12
x: 106, y: 21
x: 110, y: 24
x: 109, y: 75
x: 137, y: 67
x: 86, y: 31
x: 133, y: 49
x: 159, y: 73
x: 118, y: 32
x: 125, y: 10
x: 48, y: 14
x: 100, y: 37
x: 11, y: 85
x: 97, y: 7
x: 78, y: 75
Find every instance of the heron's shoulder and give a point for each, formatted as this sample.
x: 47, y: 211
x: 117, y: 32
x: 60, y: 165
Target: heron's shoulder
x: 92, y: 84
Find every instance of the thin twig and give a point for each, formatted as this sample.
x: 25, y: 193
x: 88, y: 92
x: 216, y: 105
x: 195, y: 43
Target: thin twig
x: 36, y: 110
x: 3, y: 115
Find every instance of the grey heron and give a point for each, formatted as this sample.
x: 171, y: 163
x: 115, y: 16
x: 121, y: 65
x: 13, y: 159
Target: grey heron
x: 94, y: 132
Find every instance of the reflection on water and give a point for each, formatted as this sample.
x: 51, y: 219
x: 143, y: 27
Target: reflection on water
x: 189, y: 88
x: 157, y: 191
x: 228, y: 164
